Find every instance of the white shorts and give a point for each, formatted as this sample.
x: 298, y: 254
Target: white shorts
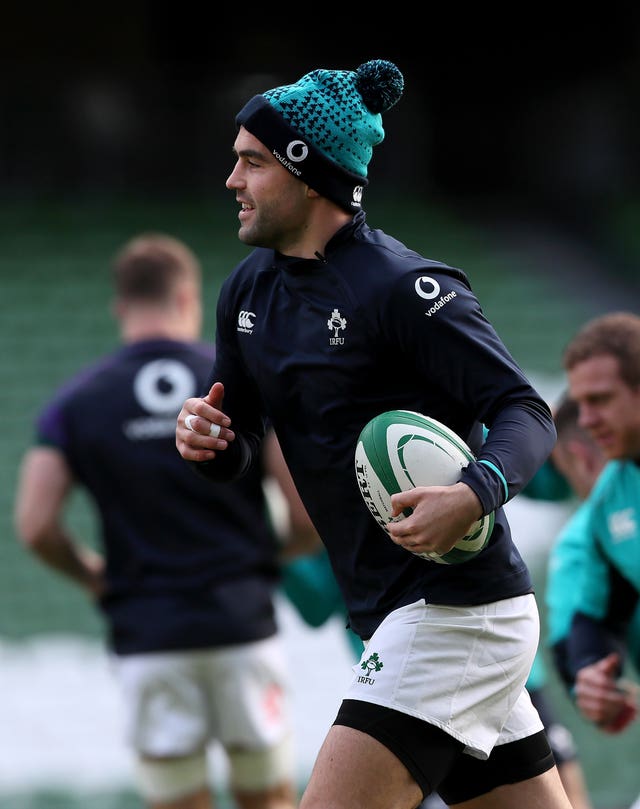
x: 462, y: 669
x: 176, y: 703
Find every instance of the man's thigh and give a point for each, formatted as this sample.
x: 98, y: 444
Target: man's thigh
x: 353, y: 769
x: 545, y: 790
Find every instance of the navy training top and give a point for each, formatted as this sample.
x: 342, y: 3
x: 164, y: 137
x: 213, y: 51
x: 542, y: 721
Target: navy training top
x: 320, y: 346
x: 190, y: 563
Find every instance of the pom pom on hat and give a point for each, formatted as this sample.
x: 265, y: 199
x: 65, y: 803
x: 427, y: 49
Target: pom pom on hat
x: 323, y: 128
x: 380, y: 84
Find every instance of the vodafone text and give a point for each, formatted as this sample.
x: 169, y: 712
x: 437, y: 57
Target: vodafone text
x: 441, y: 302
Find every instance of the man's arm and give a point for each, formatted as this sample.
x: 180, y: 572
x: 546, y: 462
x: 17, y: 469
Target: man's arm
x: 300, y: 536
x: 44, y: 484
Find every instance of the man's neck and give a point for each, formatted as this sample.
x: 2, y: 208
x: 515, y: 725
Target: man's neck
x: 149, y: 325
x: 325, y: 221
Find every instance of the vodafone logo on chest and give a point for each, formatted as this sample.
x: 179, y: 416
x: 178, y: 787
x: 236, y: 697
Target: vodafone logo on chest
x: 429, y: 289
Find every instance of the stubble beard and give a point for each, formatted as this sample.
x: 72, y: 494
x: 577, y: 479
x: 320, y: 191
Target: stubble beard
x: 258, y: 234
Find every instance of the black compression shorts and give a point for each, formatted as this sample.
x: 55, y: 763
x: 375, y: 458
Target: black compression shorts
x: 560, y: 737
x: 435, y: 759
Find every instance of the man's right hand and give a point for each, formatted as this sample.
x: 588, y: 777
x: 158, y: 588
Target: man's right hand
x: 202, y: 429
x: 601, y: 698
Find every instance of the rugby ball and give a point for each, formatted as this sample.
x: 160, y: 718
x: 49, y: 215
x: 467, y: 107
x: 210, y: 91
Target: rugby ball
x: 400, y: 450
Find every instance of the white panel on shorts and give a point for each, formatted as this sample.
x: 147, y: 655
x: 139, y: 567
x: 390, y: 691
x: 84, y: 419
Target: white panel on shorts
x: 178, y: 702
x: 461, y: 668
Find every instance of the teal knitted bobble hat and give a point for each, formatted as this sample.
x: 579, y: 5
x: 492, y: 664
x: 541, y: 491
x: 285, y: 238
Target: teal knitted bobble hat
x: 323, y: 128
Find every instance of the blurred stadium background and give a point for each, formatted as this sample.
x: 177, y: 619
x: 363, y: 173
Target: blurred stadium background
x: 514, y: 155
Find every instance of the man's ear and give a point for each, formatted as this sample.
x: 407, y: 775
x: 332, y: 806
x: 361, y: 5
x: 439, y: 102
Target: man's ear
x: 186, y: 295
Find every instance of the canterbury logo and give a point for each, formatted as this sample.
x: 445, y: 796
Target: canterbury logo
x: 245, y: 321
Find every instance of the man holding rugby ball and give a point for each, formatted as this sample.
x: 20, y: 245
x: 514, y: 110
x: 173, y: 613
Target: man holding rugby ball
x: 324, y: 325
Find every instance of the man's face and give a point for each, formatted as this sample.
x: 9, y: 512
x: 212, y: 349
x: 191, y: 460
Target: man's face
x: 274, y: 204
x: 609, y: 408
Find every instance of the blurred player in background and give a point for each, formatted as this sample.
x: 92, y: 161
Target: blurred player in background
x: 571, y: 470
x: 188, y: 569
x: 602, y: 363
x: 579, y: 459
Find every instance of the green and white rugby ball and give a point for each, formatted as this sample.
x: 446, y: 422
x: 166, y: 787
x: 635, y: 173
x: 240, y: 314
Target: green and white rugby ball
x: 400, y: 450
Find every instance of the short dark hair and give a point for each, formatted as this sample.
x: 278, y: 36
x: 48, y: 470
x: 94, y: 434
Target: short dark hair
x: 150, y: 265
x: 616, y: 334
